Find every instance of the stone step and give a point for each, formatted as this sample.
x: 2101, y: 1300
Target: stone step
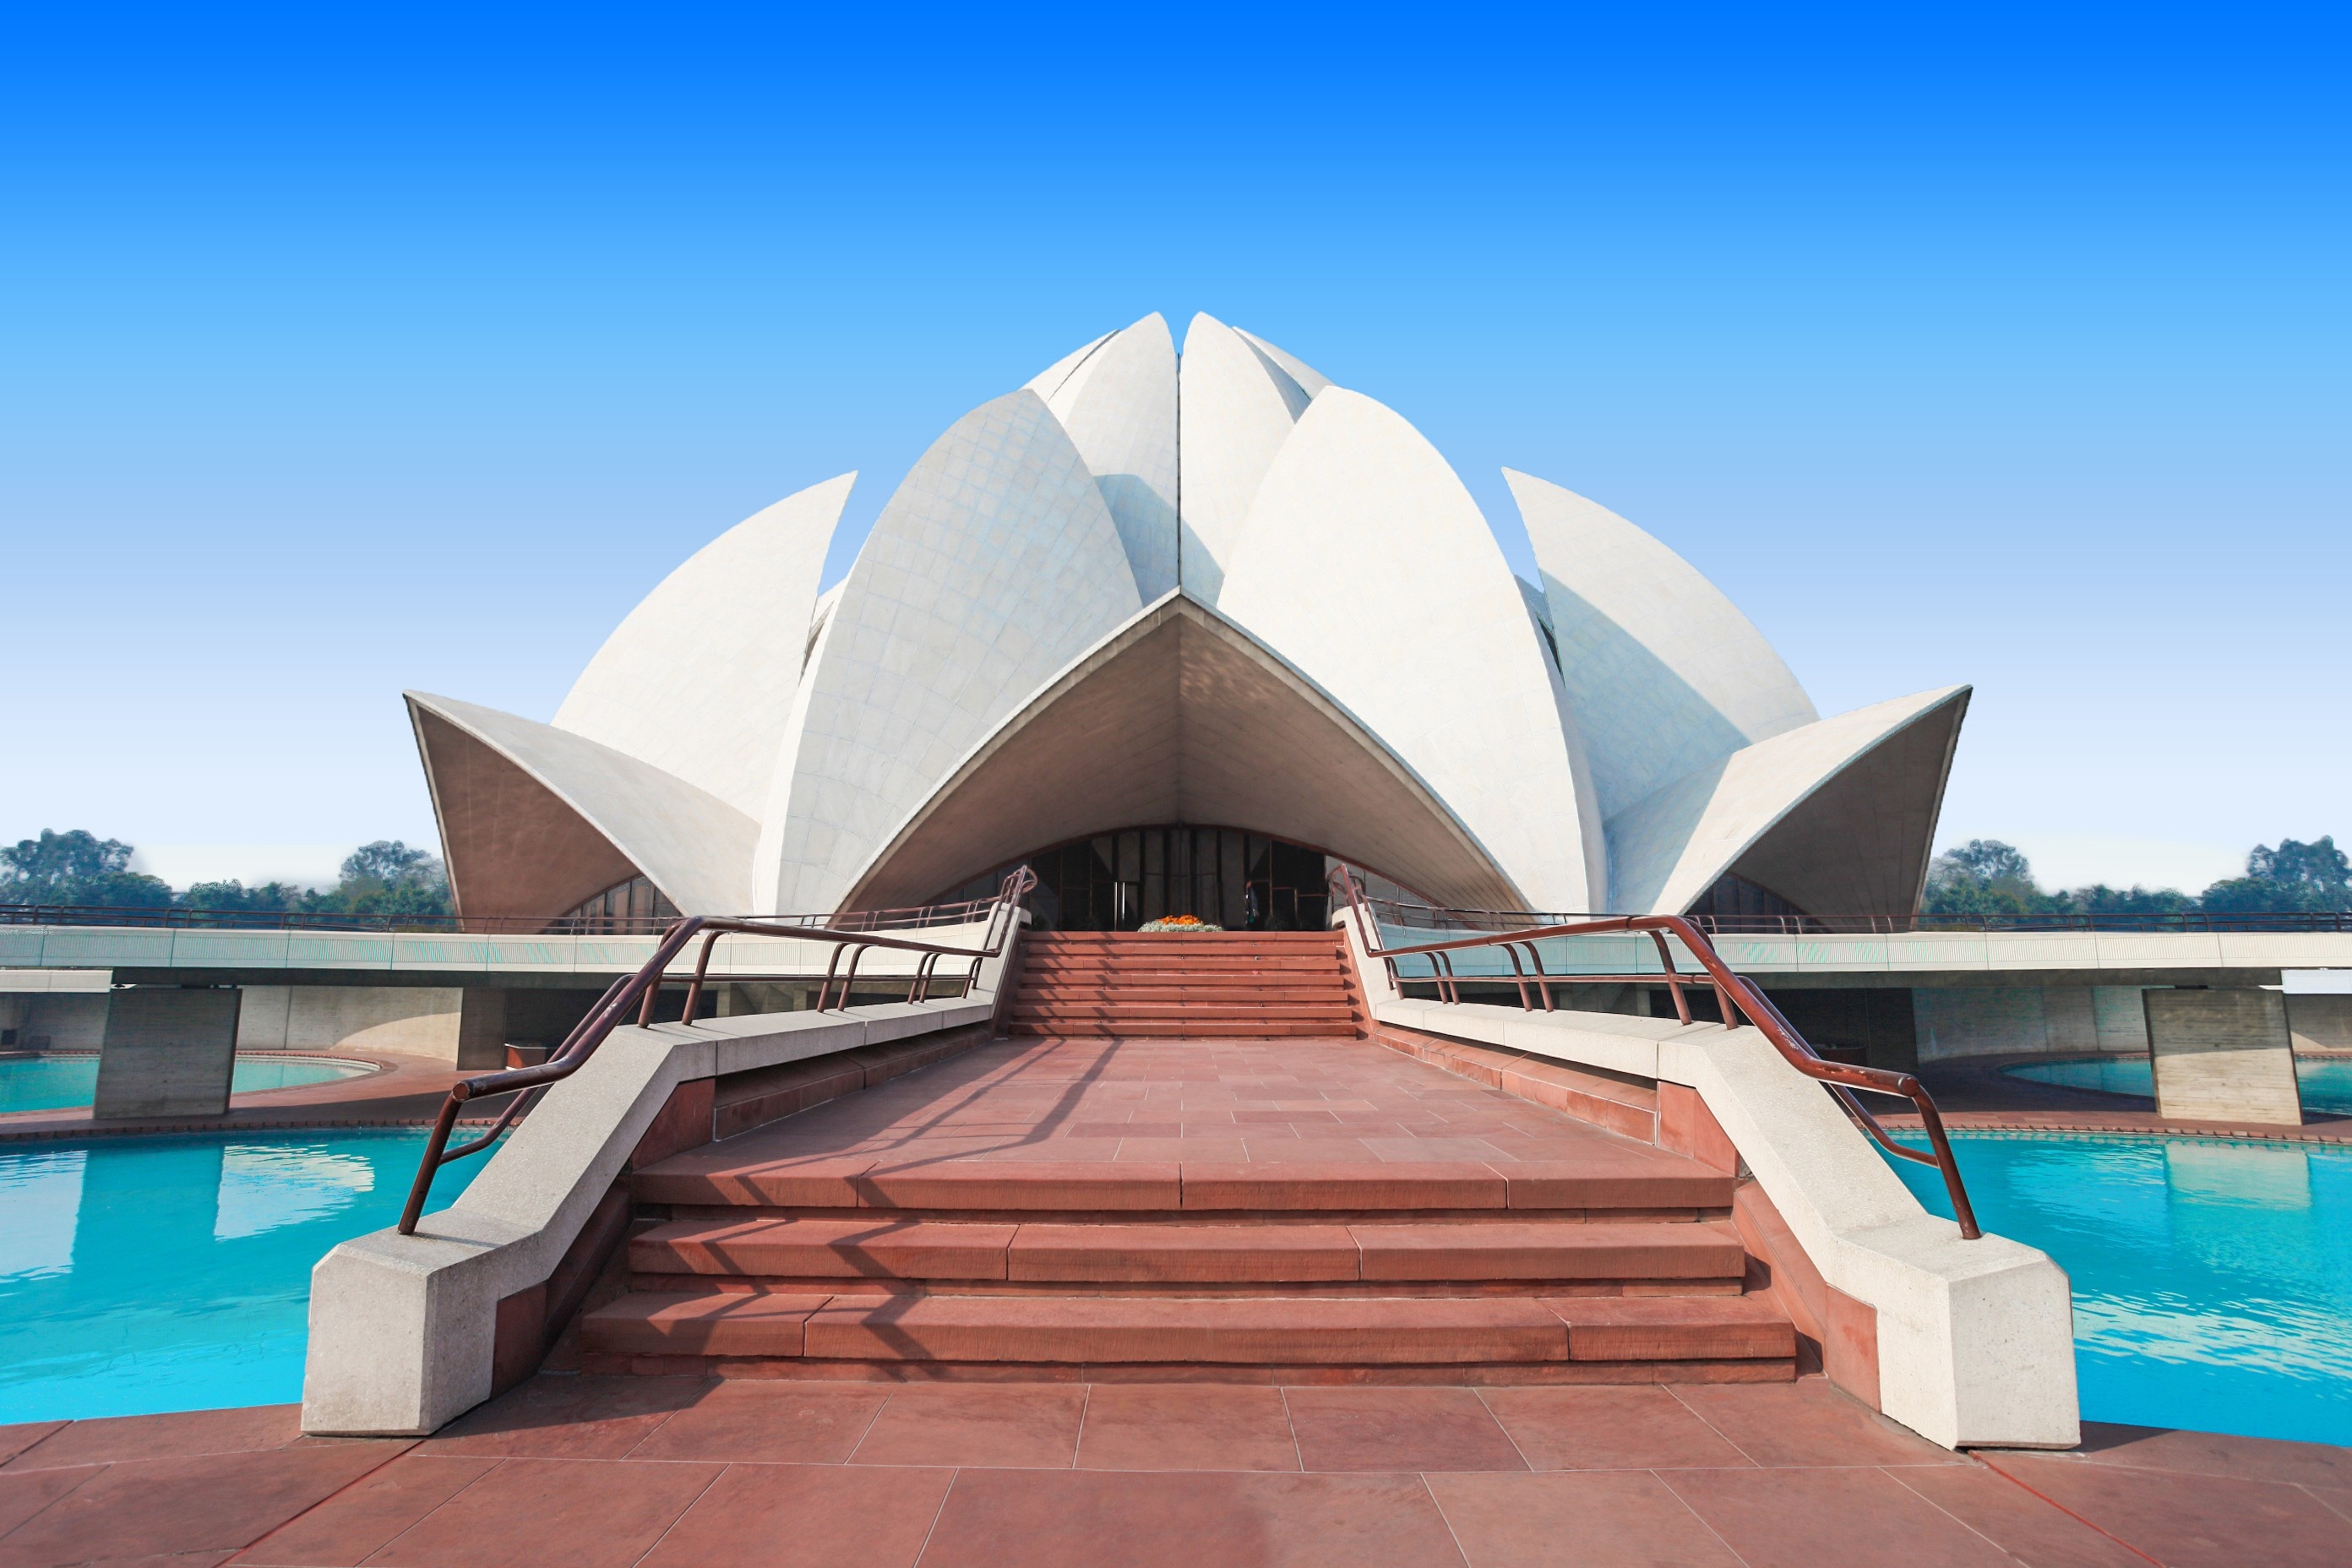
x: 1657, y: 1186
x: 1165, y: 991
x: 1200, y: 1331
x: 1338, y: 1011
x: 1219, y: 1029
x: 1458, y: 1252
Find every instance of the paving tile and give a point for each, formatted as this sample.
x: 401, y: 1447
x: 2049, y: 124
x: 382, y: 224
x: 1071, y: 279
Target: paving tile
x: 878, y: 1248
x: 201, y: 1502
x: 344, y: 1528
x: 99, y: 1442
x: 1592, y: 1521
x: 752, y: 1421
x: 808, y: 1516
x: 2217, y: 1454
x: 14, y: 1439
x: 582, y: 1513
x: 1024, y: 1185
x: 1086, y: 1519
x: 23, y: 1496
x: 1808, y: 1422
x: 567, y: 1418
x: 1606, y: 1428
x: 1806, y: 1518
x: 1183, y: 1252
x: 1388, y: 1428
x: 1357, y: 1183
x: 2191, y: 1522
x: 1017, y: 1425
x: 2014, y: 1519
x: 1188, y: 1426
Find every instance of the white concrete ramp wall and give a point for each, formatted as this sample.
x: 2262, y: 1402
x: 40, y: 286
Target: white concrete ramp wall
x: 1976, y: 1341
x: 404, y: 1328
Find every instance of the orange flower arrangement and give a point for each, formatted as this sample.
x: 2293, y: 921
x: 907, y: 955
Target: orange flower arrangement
x: 1179, y: 923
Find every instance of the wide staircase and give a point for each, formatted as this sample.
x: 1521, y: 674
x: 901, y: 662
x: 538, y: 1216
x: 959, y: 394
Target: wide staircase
x: 1619, y: 1268
x: 1128, y: 985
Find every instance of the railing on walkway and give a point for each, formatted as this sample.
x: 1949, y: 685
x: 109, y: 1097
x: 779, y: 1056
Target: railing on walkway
x: 639, y: 993
x: 1423, y: 916
x: 1735, y: 996
x: 174, y: 918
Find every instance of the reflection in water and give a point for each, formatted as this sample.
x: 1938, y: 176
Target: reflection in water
x: 264, y: 1186
x: 174, y: 1273
x: 40, y: 1193
x: 2209, y: 1277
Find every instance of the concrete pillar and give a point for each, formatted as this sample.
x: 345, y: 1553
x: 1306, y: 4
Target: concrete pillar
x: 482, y: 1030
x: 2223, y: 1055
x: 168, y: 1052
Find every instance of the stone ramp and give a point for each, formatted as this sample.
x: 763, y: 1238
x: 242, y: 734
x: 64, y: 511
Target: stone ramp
x: 1035, y: 1209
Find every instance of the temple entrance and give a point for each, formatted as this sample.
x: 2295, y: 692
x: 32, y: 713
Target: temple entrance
x: 1117, y: 881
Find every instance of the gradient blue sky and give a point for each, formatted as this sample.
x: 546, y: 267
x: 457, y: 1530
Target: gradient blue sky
x: 382, y: 348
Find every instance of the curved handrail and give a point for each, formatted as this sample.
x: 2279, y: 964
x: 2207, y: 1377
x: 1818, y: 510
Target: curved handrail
x: 1735, y: 995
x: 639, y: 991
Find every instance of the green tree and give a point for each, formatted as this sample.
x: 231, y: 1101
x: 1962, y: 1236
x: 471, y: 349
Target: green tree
x: 2294, y: 876
x: 385, y: 877
x: 269, y: 898
x: 77, y: 867
x: 1984, y: 877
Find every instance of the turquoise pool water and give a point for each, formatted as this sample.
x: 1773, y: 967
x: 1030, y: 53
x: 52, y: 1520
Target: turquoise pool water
x: 2212, y: 1279
x: 61, y: 1083
x: 2325, y: 1081
x: 148, y: 1274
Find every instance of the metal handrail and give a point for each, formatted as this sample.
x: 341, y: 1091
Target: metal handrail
x: 1735, y: 996
x: 640, y: 990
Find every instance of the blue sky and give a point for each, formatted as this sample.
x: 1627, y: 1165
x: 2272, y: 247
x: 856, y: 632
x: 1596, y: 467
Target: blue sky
x: 351, y: 352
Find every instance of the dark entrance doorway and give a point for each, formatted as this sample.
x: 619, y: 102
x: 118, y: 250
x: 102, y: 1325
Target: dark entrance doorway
x: 1117, y: 881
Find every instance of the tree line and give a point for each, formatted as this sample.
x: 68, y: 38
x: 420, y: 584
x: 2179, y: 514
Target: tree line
x: 385, y: 877
x: 1986, y: 877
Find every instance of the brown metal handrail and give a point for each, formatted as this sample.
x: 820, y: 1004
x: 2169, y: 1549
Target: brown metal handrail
x: 1433, y: 917
x: 1735, y: 995
x: 640, y: 990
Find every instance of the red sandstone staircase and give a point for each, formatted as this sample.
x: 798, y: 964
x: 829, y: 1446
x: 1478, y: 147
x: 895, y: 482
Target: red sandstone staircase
x: 1089, y: 984
x: 1621, y: 1268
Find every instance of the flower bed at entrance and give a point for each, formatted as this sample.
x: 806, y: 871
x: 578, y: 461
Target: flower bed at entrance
x: 1179, y: 923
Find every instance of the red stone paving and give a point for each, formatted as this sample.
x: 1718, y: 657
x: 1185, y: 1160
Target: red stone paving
x: 679, y: 1473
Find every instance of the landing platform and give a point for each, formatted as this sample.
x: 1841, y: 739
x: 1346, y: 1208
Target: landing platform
x: 1177, y: 1102
x: 677, y: 1473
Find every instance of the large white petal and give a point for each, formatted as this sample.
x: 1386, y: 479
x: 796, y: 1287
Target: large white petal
x: 1837, y: 817
x: 1366, y: 563
x: 698, y: 680
x: 535, y: 819
x: 1662, y: 673
x: 1117, y: 400
x: 996, y: 563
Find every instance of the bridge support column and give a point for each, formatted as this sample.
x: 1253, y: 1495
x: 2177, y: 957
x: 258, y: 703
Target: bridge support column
x: 168, y: 1051
x: 2223, y: 1055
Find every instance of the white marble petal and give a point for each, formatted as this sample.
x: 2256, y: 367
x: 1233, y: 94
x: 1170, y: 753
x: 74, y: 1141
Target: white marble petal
x: 1870, y: 849
x: 1366, y: 563
x: 1236, y: 407
x: 693, y: 845
x: 1117, y: 400
x: 1309, y: 379
x: 698, y: 680
x: 996, y: 563
x: 1663, y: 674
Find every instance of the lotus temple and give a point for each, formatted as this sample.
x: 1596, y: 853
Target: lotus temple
x: 1180, y: 1011
x: 1175, y: 631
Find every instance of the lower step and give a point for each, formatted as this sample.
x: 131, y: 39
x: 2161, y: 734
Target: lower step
x: 1100, y: 1029
x: 1131, y: 1330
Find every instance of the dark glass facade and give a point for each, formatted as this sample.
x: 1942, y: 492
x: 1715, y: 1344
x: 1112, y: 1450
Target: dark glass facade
x: 1115, y: 881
